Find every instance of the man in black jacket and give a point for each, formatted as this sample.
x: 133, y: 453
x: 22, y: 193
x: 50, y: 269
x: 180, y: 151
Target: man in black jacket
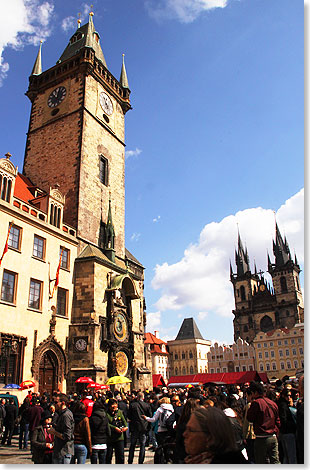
x: 2, y: 414
x: 63, y: 432
x: 138, y: 426
x: 11, y: 412
x: 99, y: 432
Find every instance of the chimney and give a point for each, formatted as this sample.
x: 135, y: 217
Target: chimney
x: 156, y: 333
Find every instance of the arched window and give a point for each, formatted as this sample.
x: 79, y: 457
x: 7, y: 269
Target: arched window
x: 191, y: 370
x: 242, y: 292
x: 184, y: 371
x: 283, y: 284
x: 190, y: 355
x: 266, y: 324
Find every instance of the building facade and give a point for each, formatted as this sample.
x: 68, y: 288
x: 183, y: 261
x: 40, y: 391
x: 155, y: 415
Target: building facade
x: 76, y: 144
x: 160, y: 354
x: 188, y: 353
x: 260, y: 306
x: 236, y: 357
x: 280, y: 352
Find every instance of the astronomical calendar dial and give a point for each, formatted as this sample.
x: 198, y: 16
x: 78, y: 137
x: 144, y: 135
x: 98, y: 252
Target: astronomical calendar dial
x: 106, y: 103
x: 57, y: 96
x: 121, y: 363
x: 120, y: 327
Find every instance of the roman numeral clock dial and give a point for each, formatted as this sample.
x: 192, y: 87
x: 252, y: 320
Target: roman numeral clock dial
x: 57, y: 96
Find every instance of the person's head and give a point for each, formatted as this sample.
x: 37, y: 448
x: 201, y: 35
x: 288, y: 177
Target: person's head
x: 52, y: 408
x: 79, y: 408
x: 113, y: 405
x: 190, y: 405
x: 140, y: 396
x: 46, y: 418
x: 256, y: 389
x: 208, y: 402
x: 62, y: 402
x: 175, y: 400
x: 11, y: 401
x: 209, y: 430
x: 164, y: 400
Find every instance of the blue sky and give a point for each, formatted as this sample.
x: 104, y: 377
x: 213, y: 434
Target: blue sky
x: 215, y: 137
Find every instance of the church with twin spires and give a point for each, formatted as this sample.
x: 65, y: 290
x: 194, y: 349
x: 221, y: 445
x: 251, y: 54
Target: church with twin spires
x: 75, y: 149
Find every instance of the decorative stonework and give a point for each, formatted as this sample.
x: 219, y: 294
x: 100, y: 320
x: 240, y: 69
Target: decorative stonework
x: 57, y: 195
x: 8, y: 166
x: 49, y: 344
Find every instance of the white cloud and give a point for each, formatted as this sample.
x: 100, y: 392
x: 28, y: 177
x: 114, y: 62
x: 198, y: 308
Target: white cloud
x: 135, y: 237
x: 70, y: 22
x: 200, y: 280
x: 202, y: 315
x: 23, y: 22
x: 132, y: 153
x: 186, y: 11
x: 152, y: 321
x: 156, y: 219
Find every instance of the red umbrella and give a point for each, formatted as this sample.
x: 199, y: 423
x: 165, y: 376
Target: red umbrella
x: 27, y: 384
x: 84, y: 380
x: 97, y: 386
x: 104, y: 387
x: 93, y: 385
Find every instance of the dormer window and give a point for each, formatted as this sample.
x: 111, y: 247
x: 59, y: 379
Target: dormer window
x: 76, y: 37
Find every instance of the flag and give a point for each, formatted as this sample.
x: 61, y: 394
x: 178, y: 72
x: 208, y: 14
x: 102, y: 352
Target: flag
x: 57, y: 273
x: 6, y: 246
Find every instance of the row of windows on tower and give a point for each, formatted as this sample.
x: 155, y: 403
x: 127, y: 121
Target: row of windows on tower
x: 283, y: 284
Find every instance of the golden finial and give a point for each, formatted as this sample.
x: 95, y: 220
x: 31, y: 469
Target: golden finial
x: 91, y: 11
x: 79, y: 20
x: 8, y: 155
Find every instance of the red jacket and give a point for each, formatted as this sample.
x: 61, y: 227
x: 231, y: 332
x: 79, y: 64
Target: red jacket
x: 264, y: 415
x: 89, y: 406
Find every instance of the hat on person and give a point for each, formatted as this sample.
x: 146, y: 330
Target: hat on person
x: 45, y: 415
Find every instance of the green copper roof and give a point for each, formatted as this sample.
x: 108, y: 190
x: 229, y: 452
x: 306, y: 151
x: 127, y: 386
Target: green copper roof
x: 37, y: 68
x: 85, y: 36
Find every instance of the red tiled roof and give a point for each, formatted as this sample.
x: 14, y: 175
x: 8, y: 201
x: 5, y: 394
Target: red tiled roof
x: 156, y: 350
x: 152, y: 339
x: 22, y: 188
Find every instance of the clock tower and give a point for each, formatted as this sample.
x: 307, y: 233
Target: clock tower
x: 76, y: 140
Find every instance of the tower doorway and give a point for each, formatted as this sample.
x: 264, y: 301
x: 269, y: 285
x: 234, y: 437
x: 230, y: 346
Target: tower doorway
x: 48, y: 373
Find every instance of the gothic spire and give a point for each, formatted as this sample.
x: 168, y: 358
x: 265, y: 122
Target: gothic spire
x: 281, y: 249
x: 123, y: 79
x: 109, y: 235
x: 37, y: 68
x: 242, y: 259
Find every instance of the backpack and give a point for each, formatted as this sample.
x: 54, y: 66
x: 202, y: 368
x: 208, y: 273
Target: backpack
x: 164, y: 417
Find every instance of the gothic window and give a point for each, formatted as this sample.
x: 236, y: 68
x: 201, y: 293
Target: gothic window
x: 266, y: 324
x: 242, y: 292
x: 297, y: 282
x: 5, y: 188
x: 55, y: 215
x: 15, y: 238
x: 103, y: 170
x: 191, y: 370
x: 8, y: 289
x: 283, y: 285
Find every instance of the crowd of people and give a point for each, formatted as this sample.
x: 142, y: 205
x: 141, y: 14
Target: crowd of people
x: 212, y: 424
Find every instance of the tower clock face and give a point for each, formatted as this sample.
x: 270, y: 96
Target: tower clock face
x: 106, y: 103
x: 80, y: 344
x: 57, y: 96
x: 120, y: 327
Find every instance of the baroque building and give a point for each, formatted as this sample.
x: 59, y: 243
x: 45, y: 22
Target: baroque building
x: 260, y: 306
x: 76, y: 144
x: 188, y: 352
x: 236, y: 357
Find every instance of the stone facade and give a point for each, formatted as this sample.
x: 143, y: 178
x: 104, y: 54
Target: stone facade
x: 236, y: 357
x: 280, y: 352
x: 263, y: 306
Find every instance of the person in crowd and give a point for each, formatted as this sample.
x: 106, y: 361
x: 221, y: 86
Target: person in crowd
x: 24, y: 423
x: 234, y: 413
x: 54, y: 414
x: 287, y: 439
x: 179, y: 452
x: 138, y: 426
x: 264, y: 415
x: 42, y: 440
x: 153, y: 402
x: 300, y: 422
x: 88, y: 401
x: 117, y: 426
x: 63, y: 432
x: 99, y: 432
x: 82, y: 437
x: 2, y: 415
x: 123, y: 405
x: 11, y: 412
x: 34, y: 415
x: 209, y: 438
x: 248, y: 429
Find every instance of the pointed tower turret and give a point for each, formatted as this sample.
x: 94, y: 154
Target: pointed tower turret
x: 280, y: 249
x: 37, y: 68
x: 242, y: 259
x: 85, y: 36
x: 123, y: 78
x: 109, y: 235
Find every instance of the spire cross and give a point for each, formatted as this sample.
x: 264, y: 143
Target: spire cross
x: 260, y: 272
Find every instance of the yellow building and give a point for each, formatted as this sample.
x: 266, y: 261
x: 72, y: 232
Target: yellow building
x: 34, y: 321
x: 188, y: 352
x: 280, y: 352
